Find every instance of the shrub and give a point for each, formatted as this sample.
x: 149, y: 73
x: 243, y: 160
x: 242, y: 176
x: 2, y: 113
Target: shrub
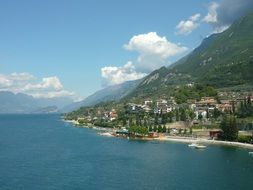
x: 244, y: 138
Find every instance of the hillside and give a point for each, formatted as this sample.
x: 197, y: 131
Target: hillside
x: 224, y: 59
x: 159, y: 83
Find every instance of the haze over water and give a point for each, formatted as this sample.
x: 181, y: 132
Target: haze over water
x: 43, y: 152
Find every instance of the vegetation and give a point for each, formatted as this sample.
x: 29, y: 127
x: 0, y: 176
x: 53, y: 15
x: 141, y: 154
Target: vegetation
x: 246, y: 108
x: 195, y: 92
x: 223, y: 59
x: 138, y: 130
x: 245, y: 139
x: 229, y: 128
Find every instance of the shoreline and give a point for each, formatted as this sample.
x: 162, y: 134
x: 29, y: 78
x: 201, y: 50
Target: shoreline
x: 169, y: 138
x: 205, y: 141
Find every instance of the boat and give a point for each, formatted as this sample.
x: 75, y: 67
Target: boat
x: 192, y: 144
x: 200, y: 147
x: 107, y: 134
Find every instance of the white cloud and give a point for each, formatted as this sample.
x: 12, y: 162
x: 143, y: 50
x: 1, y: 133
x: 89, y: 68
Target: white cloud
x: 21, y: 76
x: 47, y: 87
x: 211, y: 16
x: 152, y: 44
x: 46, y: 83
x: 220, y: 29
x: 154, y: 52
x: 185, y: 27
x: 195, y: 17
x: 53, y: 94
x: 4, y: 81
x: 221, y: 15
x: 117, y: 75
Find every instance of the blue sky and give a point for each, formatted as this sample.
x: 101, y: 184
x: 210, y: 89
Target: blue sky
x: 72, y: 48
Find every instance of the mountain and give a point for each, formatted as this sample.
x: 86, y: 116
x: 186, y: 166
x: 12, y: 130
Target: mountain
x: 22, y: 103
x: 159, y: 83
x: 59, y: 102
x: 17, y: 103
x: 221, y: 60
x: 111, y: 93
x: 224, y: 59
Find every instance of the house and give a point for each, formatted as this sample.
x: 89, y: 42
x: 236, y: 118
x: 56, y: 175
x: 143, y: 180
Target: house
x: 214, y: 134
x: 148, y: 102
x: 199, y: 112
x: 162, y: 107
x: 225, y: 107
x: 161, y: 102
x: 134, y: 107
x: 146, y: 108
x: 113, y: 115
x: 206, y: 102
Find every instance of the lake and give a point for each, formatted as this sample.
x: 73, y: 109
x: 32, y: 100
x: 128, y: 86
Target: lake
x: 43, y: 152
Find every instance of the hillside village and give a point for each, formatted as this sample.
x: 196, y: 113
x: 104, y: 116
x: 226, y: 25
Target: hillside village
x: 154, y: 117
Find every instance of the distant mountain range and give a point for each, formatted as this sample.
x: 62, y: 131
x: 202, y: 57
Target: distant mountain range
x: 22, y: 103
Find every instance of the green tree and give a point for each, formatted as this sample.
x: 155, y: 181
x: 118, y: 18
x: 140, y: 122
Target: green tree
x: 140, y: 130
x: 182, y: 114
x: 156, y: 119
x: 246, y: 108
x: 191, y: 130
x: 207, y: 113
x: 191, y: 114
x: 160, y: 129
x: 229, y: 128
x: 216, y: 113
x: 168, y: 131
x: 233, y: 107
x: 164, y: 118
x: 170, y: 115
x: 177, y: 115
x: 233, y: 129
x: 155, y: 128
x: 130, y: 121
x: 164, y: 129
x: 249, y: 101
x: 200, y: 117
x: 145, y: 122
x: 150, y: 129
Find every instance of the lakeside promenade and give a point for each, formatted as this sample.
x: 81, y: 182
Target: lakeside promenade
x: 172, y: 138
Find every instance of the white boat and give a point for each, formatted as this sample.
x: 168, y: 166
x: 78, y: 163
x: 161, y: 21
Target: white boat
x: 192, y: 144
x: 107, y: 134
x: 200, y: 146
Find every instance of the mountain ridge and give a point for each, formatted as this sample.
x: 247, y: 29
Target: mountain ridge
x: 223, y: 59
x: 20, y: 103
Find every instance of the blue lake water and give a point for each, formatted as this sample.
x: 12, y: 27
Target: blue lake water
x: 43, y: 152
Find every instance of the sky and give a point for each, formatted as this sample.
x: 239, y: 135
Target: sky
x: 57, y: 48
